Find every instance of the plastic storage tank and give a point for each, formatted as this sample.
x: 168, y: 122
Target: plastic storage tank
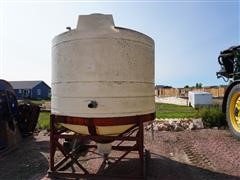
x: 199, y: 99
x: 102, y: 71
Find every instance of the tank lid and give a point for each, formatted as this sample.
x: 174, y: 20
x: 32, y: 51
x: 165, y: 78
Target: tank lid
x: 95, y: 21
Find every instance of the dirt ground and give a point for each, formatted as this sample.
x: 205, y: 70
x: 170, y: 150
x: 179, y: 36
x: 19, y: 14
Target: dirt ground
x: 199, y: 154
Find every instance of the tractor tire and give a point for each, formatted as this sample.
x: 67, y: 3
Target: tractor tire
x: 233, y: 111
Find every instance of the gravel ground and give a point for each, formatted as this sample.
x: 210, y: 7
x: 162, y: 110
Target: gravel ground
x: 199, y: 154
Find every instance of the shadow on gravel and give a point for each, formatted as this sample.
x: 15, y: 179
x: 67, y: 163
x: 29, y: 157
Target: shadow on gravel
x: 25, y: 161
x: 163, y: 168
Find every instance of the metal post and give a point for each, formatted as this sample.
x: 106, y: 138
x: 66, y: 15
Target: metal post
x: 52, y: 144
x: 141, y: 146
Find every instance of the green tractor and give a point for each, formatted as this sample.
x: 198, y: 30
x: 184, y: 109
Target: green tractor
x: 229, y: 60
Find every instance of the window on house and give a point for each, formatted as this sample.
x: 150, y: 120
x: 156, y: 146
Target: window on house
x: 26, y: 93
x: 20, y: 91
x: 38, y: 92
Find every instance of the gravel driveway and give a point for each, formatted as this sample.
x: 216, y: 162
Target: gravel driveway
x: 199, y: 154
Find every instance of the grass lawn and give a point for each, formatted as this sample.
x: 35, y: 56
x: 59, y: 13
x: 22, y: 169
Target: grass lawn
x: 43, y: 120
x: 174, y: 111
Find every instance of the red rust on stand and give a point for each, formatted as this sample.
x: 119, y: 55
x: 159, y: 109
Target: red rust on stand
x: 134, y: 134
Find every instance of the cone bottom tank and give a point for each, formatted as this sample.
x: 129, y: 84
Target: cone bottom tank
x: 102, y: 77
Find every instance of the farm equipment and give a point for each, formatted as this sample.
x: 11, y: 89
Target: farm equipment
x: 229, y: 60
x: 16, y: 120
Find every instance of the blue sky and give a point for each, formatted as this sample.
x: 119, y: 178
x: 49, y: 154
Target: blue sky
x: 188, y: 35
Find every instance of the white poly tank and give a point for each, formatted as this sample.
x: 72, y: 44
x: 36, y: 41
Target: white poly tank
x: 100, y: 70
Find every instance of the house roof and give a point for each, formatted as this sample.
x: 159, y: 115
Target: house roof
x: 161, y: 86
x: 24, y: 84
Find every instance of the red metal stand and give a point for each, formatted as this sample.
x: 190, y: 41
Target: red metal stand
x: 134, y: 134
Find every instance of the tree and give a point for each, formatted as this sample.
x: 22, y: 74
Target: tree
x: 199, y: 85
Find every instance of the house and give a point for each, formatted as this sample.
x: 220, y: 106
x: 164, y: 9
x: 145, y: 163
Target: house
x: 31, y: 89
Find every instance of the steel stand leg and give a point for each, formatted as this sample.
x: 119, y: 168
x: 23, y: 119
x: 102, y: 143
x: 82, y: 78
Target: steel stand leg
x: 52, y: 144
x: 141, y: 148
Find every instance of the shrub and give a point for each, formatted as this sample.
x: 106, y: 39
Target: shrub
x: 212, y: 117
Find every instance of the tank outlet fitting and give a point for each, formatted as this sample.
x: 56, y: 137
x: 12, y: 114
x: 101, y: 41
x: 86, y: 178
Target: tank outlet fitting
x: 104, y: 148
x: 92, y: 104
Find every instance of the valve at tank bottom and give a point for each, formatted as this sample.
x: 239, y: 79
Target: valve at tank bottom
x: 104, y: 148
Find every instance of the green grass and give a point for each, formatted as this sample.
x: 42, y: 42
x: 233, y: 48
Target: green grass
x: 43, y: 120
x: 174, y: 111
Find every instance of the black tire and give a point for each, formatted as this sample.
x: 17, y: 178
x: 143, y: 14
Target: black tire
x: 231, y: 99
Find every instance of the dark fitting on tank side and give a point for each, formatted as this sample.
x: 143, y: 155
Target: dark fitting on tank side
x: 92, y: 104
x: 69, y: 28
